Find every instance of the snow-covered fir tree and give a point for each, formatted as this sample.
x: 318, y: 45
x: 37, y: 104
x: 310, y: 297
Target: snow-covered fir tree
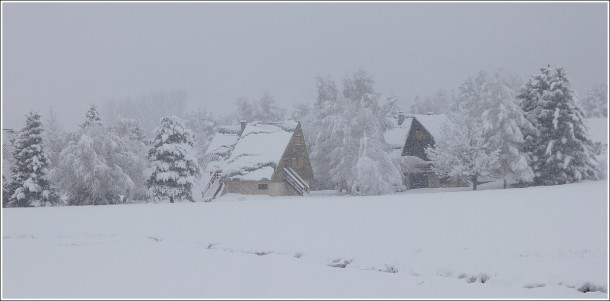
x: 491, y: 101
x: 595, y: 102
x: 54, y: 139
x: 92, y: 117
x: 30, y: 168
x: 8, y: 142
x: 8, y: 139
x: 462, y: 152
x: 6, y: 192
x: 172, y: 156
x: 560, y: 148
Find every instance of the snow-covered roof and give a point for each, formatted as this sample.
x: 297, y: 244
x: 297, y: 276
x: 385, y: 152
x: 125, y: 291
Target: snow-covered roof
x: 259, y: 150
x: 224, y: 140
x: 598, y: 129
x: 397, y: 136
x: 432, y: 123
x: 219, y: 150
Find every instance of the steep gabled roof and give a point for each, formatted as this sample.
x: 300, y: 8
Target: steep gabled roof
x: 396, y: 137
x: 224, y: 140
x: 259, y: 150
x: 432, y: 123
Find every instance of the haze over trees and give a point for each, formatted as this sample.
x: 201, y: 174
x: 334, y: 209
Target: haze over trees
x: 94, y: 166
x: 349, y: 142
x: 595, y: 102
x: 148, y: 108
x: 263, y: 109
x: 531, y: 133
x: 439, y: 103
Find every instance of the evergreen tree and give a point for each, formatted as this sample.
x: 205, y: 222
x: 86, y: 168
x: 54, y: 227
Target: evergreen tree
x: 6, y: 192
x: 54, y: 138
x: 30, y: 168
x: 595, y: 103
x: 560, y: 148
x: 92, y: 117
x: 8, y: 149
x: 175, y: 167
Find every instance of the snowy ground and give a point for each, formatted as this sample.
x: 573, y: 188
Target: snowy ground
x: 541, y: 242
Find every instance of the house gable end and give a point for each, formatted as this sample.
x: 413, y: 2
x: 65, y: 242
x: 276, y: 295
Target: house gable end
x: 296, y: 156
x: 418, y: 139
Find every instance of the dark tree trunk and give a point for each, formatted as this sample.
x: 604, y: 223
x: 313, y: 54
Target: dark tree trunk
x: 505, y: 183
x: 474, y: 182
x: 171, y: 199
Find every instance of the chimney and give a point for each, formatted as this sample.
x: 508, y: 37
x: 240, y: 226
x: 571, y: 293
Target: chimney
x: 401, y: 117
x: 243, y: 126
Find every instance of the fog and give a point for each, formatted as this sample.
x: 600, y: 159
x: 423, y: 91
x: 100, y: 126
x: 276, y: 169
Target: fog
x: 68, y: 55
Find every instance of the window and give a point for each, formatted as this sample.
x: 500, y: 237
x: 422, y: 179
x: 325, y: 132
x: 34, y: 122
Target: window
x: 420, y: 135
x: 298, y: 139
x: 294, y: 163
x: 263, y: 186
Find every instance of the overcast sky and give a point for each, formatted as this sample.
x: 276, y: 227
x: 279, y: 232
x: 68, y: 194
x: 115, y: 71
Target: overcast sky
x: 68, y: 55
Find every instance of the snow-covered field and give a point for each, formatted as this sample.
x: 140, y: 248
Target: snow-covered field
x: 540, y: 242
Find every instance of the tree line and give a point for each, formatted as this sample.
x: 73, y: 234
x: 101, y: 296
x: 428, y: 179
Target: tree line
x: 532, y: 133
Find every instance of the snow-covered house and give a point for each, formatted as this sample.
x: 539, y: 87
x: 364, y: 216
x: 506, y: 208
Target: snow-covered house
x: 396, y: 136
x: 258, y: 158
x: 409, y: 140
